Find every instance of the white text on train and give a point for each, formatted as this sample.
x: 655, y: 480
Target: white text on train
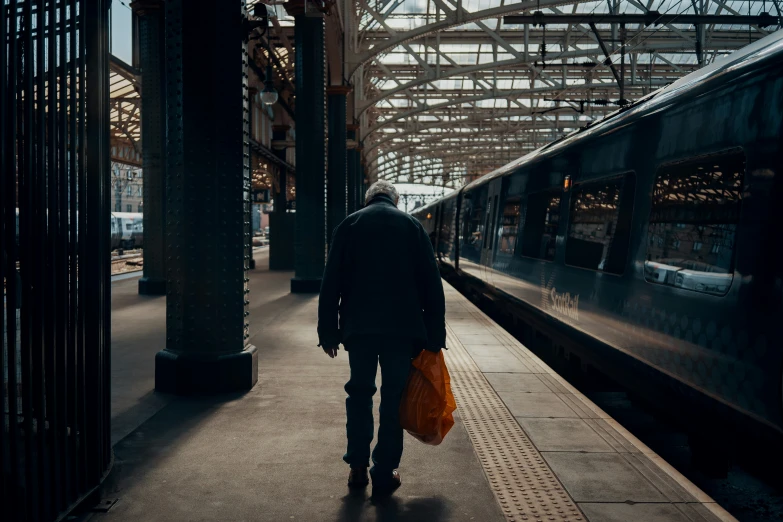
x: 565, y: 304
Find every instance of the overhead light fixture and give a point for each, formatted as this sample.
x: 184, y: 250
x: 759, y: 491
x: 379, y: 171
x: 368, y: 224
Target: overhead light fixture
x: 269, y: 94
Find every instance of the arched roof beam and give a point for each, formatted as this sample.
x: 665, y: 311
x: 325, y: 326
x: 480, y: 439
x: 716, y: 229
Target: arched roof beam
x: 452, y: 154
x: 451, y: 163
x: 455, y: 173
x: 473, y: 141
x: 541, y: 124
x: 446, y: 161
x: 684, y: 43
x: 455, y: 19
x: 469, y: 99
x: 419, y: 177
x: 466, y: 138
x: 655, y: 48
x: 382, y: 21
x: 384, y: 157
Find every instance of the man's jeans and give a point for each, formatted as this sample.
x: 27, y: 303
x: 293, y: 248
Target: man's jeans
x: 395, y: 358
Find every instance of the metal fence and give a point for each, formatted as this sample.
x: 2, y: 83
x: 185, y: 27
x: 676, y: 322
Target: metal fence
x: 54, y: 158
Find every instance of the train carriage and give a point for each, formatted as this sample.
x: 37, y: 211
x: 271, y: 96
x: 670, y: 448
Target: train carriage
x: 648, y: 243
x: 127, y: 230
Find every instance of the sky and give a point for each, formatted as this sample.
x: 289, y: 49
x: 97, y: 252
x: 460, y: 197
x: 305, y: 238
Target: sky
x: 121, y: 30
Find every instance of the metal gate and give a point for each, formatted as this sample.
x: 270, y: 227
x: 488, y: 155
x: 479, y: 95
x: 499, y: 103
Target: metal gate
x: 54, y: 164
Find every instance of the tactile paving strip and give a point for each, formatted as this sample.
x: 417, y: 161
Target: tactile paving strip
x: 521, y: 480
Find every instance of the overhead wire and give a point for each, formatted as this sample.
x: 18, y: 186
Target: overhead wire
x: 659, y: 28
x: 636, y: 41
x: 624, y: 47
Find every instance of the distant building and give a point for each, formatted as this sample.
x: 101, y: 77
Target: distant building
x: 127, y: 188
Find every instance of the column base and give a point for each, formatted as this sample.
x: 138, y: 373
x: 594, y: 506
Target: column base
x: 182, y: 374
x: 252, y: 264
x: 301, y: 285
x: 148, y: 286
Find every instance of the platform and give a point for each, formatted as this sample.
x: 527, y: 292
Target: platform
x: 526, y: 445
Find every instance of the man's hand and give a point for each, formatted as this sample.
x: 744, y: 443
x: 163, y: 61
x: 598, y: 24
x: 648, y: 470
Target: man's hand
x: 331, y: 351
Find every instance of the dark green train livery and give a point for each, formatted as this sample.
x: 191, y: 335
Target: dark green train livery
x: 649, y: 243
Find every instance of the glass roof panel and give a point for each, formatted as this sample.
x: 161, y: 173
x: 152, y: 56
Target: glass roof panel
x: 437, y: 78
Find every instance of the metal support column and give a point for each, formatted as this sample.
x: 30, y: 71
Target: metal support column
x: 280, y: 135
x: 281, y: 222
x: 251, y: 93
x: 336, y: 175
x: 361, y: 170
x: 207, y: 201
x: 353, y: 170
x: 310, y: 149
x: 153, y: 136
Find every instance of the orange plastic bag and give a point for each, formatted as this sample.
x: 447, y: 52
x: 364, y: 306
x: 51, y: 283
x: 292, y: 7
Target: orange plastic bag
x: 427, y: 404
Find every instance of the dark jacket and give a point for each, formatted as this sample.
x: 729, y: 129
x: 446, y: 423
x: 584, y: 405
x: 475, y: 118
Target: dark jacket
x: 381, y: 279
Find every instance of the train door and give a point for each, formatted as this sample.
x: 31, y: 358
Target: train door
x: 138, y: 232
x: 126, y: 231
x: 115, y: 240
x: 490, y: 228
x: 438, y: 211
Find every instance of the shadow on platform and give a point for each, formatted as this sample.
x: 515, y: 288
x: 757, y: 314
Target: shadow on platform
x: 392, y: 509
x: 273, y: 453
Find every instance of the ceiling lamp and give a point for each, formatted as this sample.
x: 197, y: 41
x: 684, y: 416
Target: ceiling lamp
x: 269, y: 95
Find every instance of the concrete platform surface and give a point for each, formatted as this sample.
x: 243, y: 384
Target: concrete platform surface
x: 526, y: 444
x: 274, y: 453
x: 575, y: 453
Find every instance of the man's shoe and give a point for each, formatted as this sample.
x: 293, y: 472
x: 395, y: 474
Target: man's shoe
x: 386, y: 485
x: 358, y: 478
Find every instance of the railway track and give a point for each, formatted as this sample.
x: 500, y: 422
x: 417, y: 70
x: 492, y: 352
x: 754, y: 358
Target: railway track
x: 126, y: 262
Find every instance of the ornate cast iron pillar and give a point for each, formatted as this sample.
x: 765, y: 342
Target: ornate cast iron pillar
x: 310, y: 240
x: 281, y: 223
x: 336, y: 197
x: 207, y: 201
x: 153, y: 136
x: 353, y: 171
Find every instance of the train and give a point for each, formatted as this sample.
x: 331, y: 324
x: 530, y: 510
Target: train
x: 647, y: 244
x: 127, y: 229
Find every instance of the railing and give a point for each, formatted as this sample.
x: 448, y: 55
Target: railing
x: 54, y: 153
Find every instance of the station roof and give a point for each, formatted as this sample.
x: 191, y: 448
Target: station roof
x: 125, y: 112
x: 451, y: 90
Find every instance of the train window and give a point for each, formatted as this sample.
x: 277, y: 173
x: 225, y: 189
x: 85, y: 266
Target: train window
x: 600, y: 224
x: 542, y: 216
x: 488, y: 226
x: 509, y: 225
x: 473, y: 225
x: 693, y: 224
x: 446, y: 226
x: 493, y: 223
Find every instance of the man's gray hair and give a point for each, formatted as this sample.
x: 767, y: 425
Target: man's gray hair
x: 381, y: 187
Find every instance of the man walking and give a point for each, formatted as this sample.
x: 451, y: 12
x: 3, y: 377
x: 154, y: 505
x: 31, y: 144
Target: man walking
x: 382, y: 298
